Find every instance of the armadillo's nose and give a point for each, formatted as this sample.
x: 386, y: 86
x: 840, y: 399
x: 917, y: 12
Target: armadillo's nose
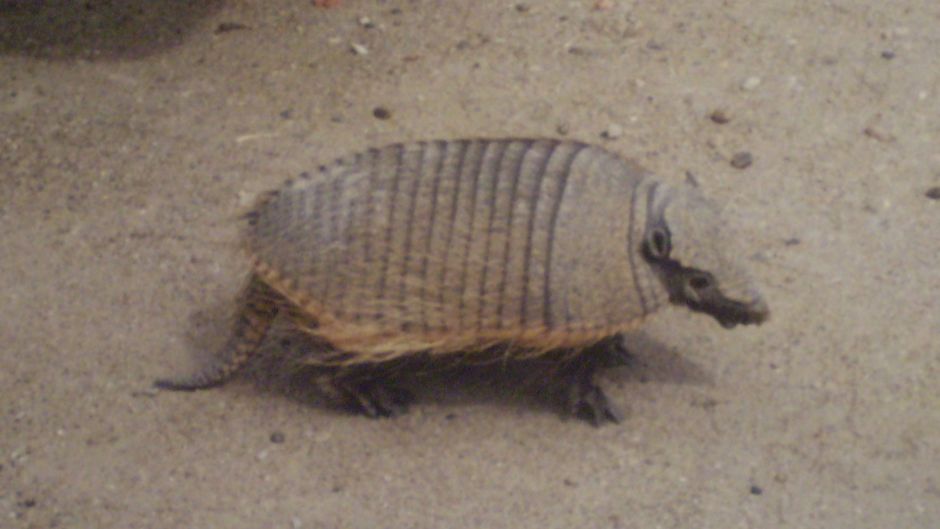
x: 758, y: 311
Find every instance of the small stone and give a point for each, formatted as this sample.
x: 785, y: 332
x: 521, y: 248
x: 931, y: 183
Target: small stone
x: 278, y: 437
x: 613, y: 132
x: 879, y: 135
x: 225, y: 27
x: 563, y: 129
x: 366, y: 22
x: 295, y: 523
x: 792, y: 241
x: 720, y: 117
x: 933, y: 193
x: 286, y: 114
x: 359, y: 49
x: 750, y: 83
x: 887, y: 55
x: 757, y: 491
x: 522, y: 8
x: 581, y: 51
x: 742, y: 160
x: 381, y: 113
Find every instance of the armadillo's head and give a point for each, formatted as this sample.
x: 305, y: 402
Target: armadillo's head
x: 697, y: 259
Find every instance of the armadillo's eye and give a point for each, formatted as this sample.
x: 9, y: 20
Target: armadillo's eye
x: 700, y: 281
x: 658, y: 244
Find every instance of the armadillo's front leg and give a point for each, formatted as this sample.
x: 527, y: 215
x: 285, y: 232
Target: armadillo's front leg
x: 585, y: 398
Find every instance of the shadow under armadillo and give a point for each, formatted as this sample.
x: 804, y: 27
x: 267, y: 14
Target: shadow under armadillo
x: 281, y: 368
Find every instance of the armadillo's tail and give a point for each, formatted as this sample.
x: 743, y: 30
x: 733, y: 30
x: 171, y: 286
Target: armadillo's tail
x: 259, y: 307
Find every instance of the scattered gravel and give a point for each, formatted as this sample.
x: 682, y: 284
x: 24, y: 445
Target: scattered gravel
x: 750, y: 83
x: 613, y: 132
x: 359, y: 49
x: 742, y: 160
x: 720, y: 117
x: 381, y: 113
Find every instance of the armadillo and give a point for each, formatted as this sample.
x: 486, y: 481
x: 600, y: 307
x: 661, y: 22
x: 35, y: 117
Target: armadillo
x: 460, y: 246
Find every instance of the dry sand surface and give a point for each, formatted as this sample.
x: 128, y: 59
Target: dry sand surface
x: 132, y: 135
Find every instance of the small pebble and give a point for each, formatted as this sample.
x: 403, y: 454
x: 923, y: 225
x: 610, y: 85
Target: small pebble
x: 381, y: 113
x: 750, y: 83
x: 366, y: 22
x: 581, y: 51
x: 887, y: 55
x: 359, y: 49
x: 563, y: 129
x: 286, y: 114
x: 720, y: 117
x: 295, y: 523
x: 933, y: 193
x: 742, y: 160
x: 792, y: 241
x: 278, y: 437
x: 225, y: 27
x: 878, y: 135
x: 757, y: 491
x: 613, y: 132
x: 522, y: 8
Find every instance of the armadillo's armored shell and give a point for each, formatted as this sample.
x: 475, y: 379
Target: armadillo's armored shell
x: 444, y: 246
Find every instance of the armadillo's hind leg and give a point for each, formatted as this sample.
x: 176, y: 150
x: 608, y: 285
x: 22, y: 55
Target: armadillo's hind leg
x: 365, y: 391
x: 584, y: 396
x: 259, y: 307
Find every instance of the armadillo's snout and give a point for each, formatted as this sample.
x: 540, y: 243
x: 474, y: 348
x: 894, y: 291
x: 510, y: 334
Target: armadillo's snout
x: 731, y: 313
x: 758, y: 311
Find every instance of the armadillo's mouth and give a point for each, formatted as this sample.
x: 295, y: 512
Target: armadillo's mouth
x: 730, y: 313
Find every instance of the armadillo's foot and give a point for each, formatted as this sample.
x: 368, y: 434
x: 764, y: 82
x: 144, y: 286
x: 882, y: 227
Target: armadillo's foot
x: 585, y: 398
x: 372, y: 398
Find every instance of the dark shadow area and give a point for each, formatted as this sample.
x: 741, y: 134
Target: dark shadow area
x: 281, y: 368
x: 455, y: 382
x: 98, y: 29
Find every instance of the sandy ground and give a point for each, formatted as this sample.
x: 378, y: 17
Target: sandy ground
x: 133, y: 133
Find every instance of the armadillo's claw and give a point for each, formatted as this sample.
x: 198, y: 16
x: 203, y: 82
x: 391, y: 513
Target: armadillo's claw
x: 587, y: 400
x: 373, y: 398
x: 584, y: 397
